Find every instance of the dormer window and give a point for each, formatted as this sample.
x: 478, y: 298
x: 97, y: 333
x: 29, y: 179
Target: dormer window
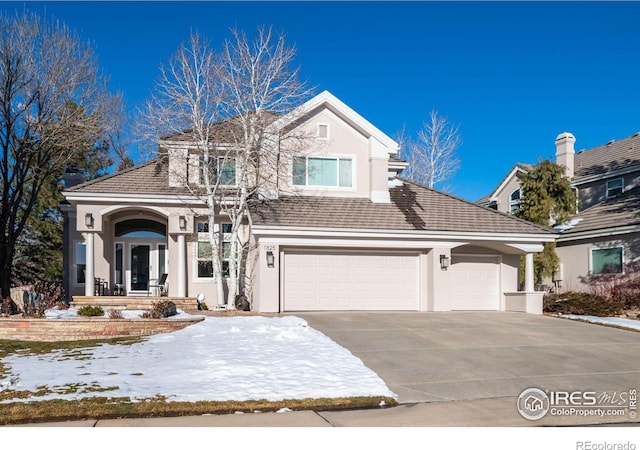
x: 515, y: 201
x: 223, y: 170
x: 615, y: 187
x: 323, y: 131
x: 322, y: 172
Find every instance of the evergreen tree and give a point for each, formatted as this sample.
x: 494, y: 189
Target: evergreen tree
x: 547, y: 200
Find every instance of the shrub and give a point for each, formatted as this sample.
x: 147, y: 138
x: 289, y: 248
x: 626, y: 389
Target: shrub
x: 43, y: 296
x: 115, y: 314
x: 91, y: 311
x: 159, y: 310
x: 580, y: 303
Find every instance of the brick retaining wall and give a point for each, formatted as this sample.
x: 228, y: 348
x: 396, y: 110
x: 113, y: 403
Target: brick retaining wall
x: 51, y: 330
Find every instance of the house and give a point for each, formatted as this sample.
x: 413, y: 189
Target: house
x: 342, y: 232
x: 603, y: 237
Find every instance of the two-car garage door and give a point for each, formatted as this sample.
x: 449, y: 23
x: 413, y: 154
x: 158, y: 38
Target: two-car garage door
x: 316, y: 280
x: 320, y: 280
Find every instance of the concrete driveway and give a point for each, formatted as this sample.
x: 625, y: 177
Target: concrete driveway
x: 427, y: 357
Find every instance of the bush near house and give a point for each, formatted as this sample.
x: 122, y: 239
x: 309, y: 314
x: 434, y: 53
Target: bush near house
x: 622, y: 289
x: 580, y: 303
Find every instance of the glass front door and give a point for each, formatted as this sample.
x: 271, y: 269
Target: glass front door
x: 140, y: 267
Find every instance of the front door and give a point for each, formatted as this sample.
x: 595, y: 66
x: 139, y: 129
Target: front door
x: 140, y: 267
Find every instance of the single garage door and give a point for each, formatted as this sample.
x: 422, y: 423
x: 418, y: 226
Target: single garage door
x: 475, y: 283
x: 350, y: 280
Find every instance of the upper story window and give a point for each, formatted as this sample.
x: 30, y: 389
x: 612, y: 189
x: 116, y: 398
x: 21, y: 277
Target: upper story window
x: 323, y: 131
x: 223, y: 170
x: 606, y: 260
x: 615, y: 187
x: 514, y: 201
x: 321, y: 171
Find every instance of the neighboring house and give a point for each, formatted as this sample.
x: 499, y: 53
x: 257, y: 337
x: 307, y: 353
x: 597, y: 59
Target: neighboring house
x: 604, y: 236
x: 344, y: 232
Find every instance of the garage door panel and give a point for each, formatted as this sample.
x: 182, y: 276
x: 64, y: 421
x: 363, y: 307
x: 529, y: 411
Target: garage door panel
x: 317, y: 280
x: 475, y: 282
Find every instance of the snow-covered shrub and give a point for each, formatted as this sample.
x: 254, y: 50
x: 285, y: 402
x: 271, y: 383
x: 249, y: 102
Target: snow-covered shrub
x: 161, y: 309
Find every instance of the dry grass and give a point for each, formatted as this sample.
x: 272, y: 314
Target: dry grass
x: 114, y: 408
x: 122, y: 407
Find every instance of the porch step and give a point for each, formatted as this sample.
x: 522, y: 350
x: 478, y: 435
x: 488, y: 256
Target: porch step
x: 123, y: 302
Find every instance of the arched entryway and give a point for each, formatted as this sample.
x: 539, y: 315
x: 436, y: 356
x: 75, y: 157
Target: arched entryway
x: 140, y: 253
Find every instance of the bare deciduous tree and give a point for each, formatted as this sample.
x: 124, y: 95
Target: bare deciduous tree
x: 216, y: 113
x: 432, y: 157
x: 53, y: 104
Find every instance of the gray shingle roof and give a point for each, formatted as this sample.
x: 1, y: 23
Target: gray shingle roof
x: 608, y: 157
x: 624, y: 210
x: 412, y: 207
x: 146, y: 179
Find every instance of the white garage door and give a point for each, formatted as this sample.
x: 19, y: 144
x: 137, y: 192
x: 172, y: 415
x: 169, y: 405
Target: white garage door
x: 350, y: 280
x: 475, y: 282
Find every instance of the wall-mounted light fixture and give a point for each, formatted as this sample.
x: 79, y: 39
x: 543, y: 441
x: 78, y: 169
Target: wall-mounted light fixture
x: 182, y: 222
x: 270, y: 259
x: 445, y: 262
x: 88, y: 220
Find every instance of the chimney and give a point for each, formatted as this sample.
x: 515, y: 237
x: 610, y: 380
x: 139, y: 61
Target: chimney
x: 72, y: 176
x: 565, y: 152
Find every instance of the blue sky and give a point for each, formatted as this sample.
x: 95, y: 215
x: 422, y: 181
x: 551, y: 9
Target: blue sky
x: 513, y: 75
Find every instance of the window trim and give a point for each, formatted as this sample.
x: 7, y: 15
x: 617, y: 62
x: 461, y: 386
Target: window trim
x: 621, y: 180
x: 591, y: 250
x: 337, y: 158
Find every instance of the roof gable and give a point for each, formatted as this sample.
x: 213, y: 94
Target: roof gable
x: 342, y: 110
x: 518, y: 168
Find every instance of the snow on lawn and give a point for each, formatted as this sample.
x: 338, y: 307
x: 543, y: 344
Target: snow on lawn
x: 615, y: 321
x: 220, y: 358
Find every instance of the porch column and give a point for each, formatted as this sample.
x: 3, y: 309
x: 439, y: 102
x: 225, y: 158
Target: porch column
x: 528, y: 273
x: 182, y: 267
x: 89, y: 280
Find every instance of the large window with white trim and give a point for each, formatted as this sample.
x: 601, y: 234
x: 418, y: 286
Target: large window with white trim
x: 607, y: 260
x: 323, y: 172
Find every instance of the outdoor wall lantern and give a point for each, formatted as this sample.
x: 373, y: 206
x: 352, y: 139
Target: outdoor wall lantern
x: 445, y: 261
x: 270, y: 259
x: 182, y: 222
x: 88, y: 220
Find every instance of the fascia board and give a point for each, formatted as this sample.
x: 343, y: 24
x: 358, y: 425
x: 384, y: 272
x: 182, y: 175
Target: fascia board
x: 261, y: 230
x: 514, y: 171
x: 604, y: 232
x: 130, y: 198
